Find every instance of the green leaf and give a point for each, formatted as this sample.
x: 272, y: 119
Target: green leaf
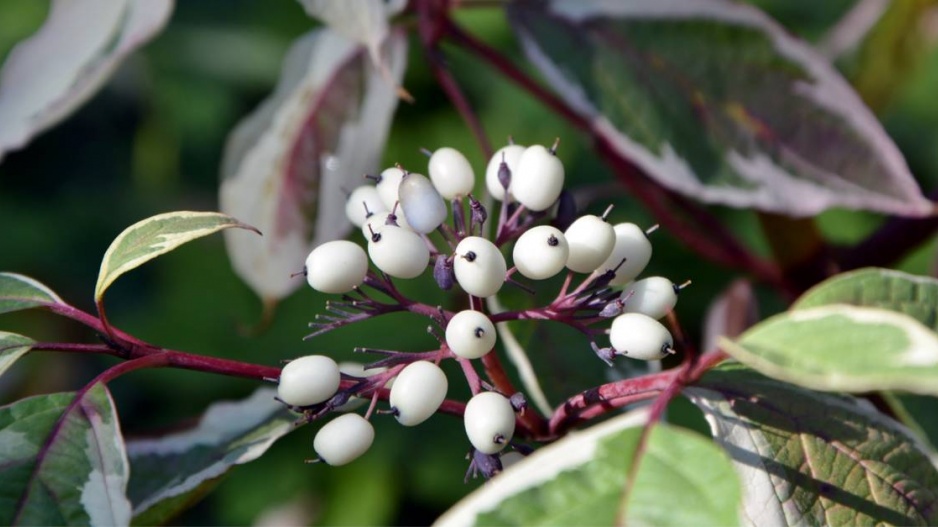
x: 916, y: 296
x: 154, y: 236
x: 12, y: 347
x: 170, y: 473
x: 579, y: 481
x: 63, y: 468
x: 842, y: 348
x: 811, y: 458
x: 715, y: 100
x: 18, y: 292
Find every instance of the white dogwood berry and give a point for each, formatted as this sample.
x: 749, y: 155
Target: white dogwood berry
x: 378, y: 220
x: 470, y: 334
x: 654, y: 296
x: 362, y: 199
x: 336, y: 267
x: 541, y: 252
x: 421, y: 203
x: 631, y: 244
x: 308, y: 380
x: 511, y: 154
x: 490, y: 422
x: 344, y: 439
x: 641, y: 337
x: 451, y: 173
x: 479, y: 266
x: 418, y: 392
x: 537, y: 182
x: 591, y: 241
x: 388, y: 185
x: 398, y: 252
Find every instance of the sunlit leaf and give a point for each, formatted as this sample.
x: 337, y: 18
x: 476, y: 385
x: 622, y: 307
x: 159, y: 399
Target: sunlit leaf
x: 19, y: 292
x: 842, y: 348
x: 916, y: 296
x: 288, y: 165
x: 810, y: 458
x: 80, y: 45
x: 12, y: 347
x: 169, y: 473
x: 365, y: 21
x: 713, y: 99
x: 154, y: 236
x: 579, y: 481
x: 63, y: 469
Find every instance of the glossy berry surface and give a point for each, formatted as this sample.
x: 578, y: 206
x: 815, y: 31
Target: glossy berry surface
x: 541, y: 252
x: 421, y: 203
x: 344, y: 439
x: 418, y: 392
x: 479, y: 266
x: 399, y: 252
x: 631, y: 244
x: 490, y: 422
x: 538, y: 181
x: 336, y: 267
x: 639, y: 336
x: 470, y: 334
x: 591, y: 241
x: 308, y: 380
x: 654, y: 296
x: 451, y: 173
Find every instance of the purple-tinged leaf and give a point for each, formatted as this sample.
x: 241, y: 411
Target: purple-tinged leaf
x: 54, y: 71
x: 288, y: 165
x: 12, y: 347
x: 63, y: 468
x: 713, y: 99
x: 18, y: 292
x: 172, y: 471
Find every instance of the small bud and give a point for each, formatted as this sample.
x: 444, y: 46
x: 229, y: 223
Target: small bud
x: 443, y: 272
x: 606, y: 354
x: 504, y: 173
x: 518, y: 402
x: 489, y: 465
x: 479, y: 214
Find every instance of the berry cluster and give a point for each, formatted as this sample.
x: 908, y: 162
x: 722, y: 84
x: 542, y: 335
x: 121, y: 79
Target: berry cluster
x: 403, y: 217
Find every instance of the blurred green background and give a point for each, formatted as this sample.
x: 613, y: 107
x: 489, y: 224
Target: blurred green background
x: 151, y: 141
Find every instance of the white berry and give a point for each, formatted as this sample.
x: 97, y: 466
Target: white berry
x: 490, y: 422
x: 512, y: 154
x: 541, y: 252
x: 421, y: 203
x: 308, y: 380
x: 418, y: 392
x: 470, y: 334
x: 654, y: 296
x: 336, y: 267
x: 631, y: 244
x: 399, y: 252
x: 479, y: 266
x: 537, y: 182
x: 389, y: 183
x: 344, y: 439
x: 451, y: 173
x: 361, y: 199
x: 591, y: 241
x: 640, y: 337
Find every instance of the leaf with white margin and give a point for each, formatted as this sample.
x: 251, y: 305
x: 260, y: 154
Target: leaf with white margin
x: 155, y: 236
x: 913, y: 295
x: 365, y: 21
x: 288, y: 165
x: 63, y: 468
x: 715, y: 100
x: 12, y: 347
x: 81, y: 43
x: 579, y: 481
x: 842, y: 348
x: 811, y: 458
x: 18, y: 292
x: 170, y: 472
